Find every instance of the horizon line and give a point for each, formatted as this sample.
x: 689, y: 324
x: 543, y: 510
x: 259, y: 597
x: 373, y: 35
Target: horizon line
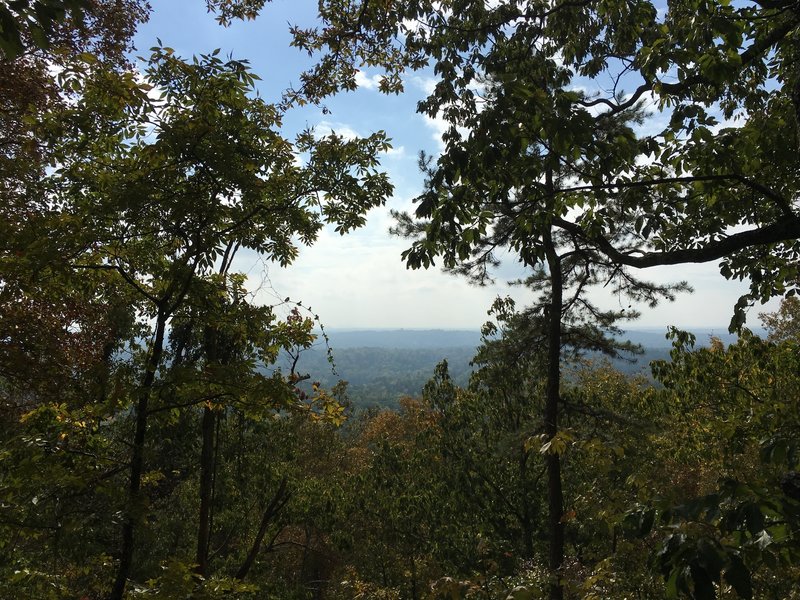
x: 652, y: 328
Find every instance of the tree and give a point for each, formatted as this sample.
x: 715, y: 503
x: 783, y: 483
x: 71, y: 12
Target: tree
x: 55, y: 310
x: 159, y: 182
x: 784, y: 324
x: 398, y: 529
x: 534, y: 163
x: 484, y: 441
x: 731, y: 516
x: 535, y: 341
x: 643, y: 197
x: 546, y: 156
x: 29, y: 85
x: 564, y: 268
x: 577, y: 170
x: 219, y: 343
x: 36, y: 21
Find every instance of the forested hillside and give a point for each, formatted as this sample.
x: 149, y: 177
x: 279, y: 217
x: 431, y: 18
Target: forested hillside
x: 380, y: 377
x: 381, y: 367
x: 164, y: 433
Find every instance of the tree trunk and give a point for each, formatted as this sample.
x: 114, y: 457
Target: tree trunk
x: 137, y: 460
x: 278, y: 501
x: 555, y: 495
x: 206, y: 488
x: 527, y: 518
x: 414, y: 593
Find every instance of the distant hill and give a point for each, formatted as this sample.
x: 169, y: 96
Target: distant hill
x: 656, y: 337
x: 403, y: 338
x: 379, y: 376
x: 381, y: 366
x: 448, y: 338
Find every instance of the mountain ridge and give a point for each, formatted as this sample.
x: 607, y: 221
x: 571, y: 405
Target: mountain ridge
x: 402, y: 338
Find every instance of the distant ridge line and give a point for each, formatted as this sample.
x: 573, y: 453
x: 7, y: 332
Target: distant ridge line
x: 401, y: 338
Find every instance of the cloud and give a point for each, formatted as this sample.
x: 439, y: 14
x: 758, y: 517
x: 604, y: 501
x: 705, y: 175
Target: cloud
x: 438, y: 126
x: 324, y: 128
x: 352, y: 282
x: 368, y: 82
x: 426, y: 84
x: 735, y: 122
x: 398, y: 152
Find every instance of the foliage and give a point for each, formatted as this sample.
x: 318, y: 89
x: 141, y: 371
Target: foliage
x: 525, y: 85
x: 154, y: 184
x: 783, y: 325
x: 736, y: 518
x: 36, y: 20
x: 151, y: 446
x: 571, y: 181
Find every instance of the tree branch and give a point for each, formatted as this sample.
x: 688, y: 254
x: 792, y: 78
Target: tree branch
x: 130, y: 280
x: 785, y: 230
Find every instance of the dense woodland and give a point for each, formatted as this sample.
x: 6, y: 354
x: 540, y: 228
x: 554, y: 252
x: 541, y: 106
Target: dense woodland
x: 379, y: 377
x: 150, y: 446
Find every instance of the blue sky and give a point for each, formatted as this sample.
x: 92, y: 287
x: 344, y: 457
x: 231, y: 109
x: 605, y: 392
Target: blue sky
x: 359, y: 281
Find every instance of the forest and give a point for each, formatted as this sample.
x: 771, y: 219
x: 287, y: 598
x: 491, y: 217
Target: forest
x: 381, y: 367
x: 160, y: 436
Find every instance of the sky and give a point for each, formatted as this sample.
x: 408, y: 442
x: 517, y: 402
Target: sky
x: 358, y: 281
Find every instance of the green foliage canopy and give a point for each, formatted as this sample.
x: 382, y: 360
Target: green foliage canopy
x: 530, y: 88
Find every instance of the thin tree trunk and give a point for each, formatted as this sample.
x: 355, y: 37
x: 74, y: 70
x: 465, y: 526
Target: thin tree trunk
x: 555, y: 495
x: 414, y: 593
x: 209, y: 435
x: 278, y: 501
x: 527, y: 521
x: 137, y: 460
x: 206, y: 486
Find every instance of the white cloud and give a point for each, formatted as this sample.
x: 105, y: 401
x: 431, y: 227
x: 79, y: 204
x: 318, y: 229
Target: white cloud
x: 398, y: 152
x: 368, y: 82
x: 438, y: 126
x: 324, y: 128
x: 734, y: 122
x: 359, y: 279
x: 426, y: 84
x: 351, y: 282
x: 710, y: 306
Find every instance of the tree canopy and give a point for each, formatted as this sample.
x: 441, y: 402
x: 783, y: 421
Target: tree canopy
x: 655, y: 123
x: 588, y: 138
